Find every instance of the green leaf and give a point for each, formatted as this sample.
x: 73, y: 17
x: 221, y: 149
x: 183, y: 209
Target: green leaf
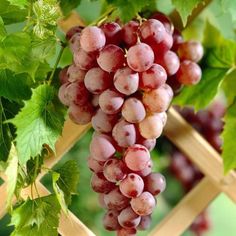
x: 3, y: 166
x: 208, y: 88
x: 185, y: 8
x: 68, y: 5
x: 39, y: 122
x: 69, y: 177
x: 19, y: 3
x: 36, y: 217
x: 3, y: 31
x: 228, y: 136
x: 14, y: 86
x: 11, y: 173
x: 11, y: 14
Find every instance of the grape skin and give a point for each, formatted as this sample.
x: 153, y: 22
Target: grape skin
x: 126, y: 232
x: 145, y: 222
x: 155, y: 183
x: 94, y: 165
x: 110, y: 220
x: 129, y: 33
x: 84, y: 60
x: 112, y: 31
x: 62, y: 95
x: 74, y: 73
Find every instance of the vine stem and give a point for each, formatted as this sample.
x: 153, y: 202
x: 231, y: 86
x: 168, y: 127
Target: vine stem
x: 56, y: 63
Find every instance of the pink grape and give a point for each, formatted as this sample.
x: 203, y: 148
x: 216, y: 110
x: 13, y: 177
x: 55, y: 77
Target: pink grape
x: 140, y: 57
x: 74, y: 73
x: 151, y: 127
x: 112, y: 31
x: 155, y: 183
x: 77, y: 93
x: 133, y: 110
x: 74, y: 43
x: 153, y: 78
x: 101, y: 147
x: 145, y: 222
x: 158, y: 100
x: 126, y: 232
x: 81, y: 115
x: 189, y: 73
x: 111, y: 58
x: 165, y: 45
x: 99, y: 183
x: 152, y: 31
x: 115, y: 200
x: 103, y: 122
x: 94, y: 165
x: 63, y: 77
x: 72, y: 31
x: 114, y: 170
x: 92, y: 39
x: 137, y: 157
x: 129, y: 33
x: 190, y: 50
x: 169, y: 61
x: 144, y: 204
x: 111, y: 101
x: 62, y: 94
x: 110, y: 220
x: 97, y: 80
x: 84, y: 60
x: 124, y: 133
x: 128, y: 218
x: 132, y: 185
x: 101, y: 200
x: 146, y: 171
x: 164, y: 20
x: 177, y: 39
x: 148, y: 143
x: 95, y: 99
x: 126, y: 81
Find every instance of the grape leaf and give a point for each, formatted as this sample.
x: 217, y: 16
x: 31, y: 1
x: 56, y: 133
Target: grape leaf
x: 68, y: 179
x: 3, y: 31
x: 11, y: 14
x: 68, y: 5
x: 185, y: 8
x: 11, y: 173
x: 36, y: 217
x: 19, y: 3
x: 40, y: 121
x: 14, y: 86
x: 228, y: 136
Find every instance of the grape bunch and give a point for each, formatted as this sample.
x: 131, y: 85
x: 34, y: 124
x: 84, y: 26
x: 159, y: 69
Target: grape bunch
x: 209, y: 124
x: 119, y: 81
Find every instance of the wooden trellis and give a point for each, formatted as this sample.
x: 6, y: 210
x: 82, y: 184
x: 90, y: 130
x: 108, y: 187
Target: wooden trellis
x: 188, y: 140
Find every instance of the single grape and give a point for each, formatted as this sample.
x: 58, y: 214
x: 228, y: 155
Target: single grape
x: 74, y: 73
x: 153, y: 78
x: 174, y: 84
x: 158, y: 100
x: 74, y: 43
x: 94, y: 165
x: 111, y: 58
x: 128, y: 218
x: 63, y: 76
x: 177, y: 39
x: 146, y: 171
x: 97, y: 80
x: 84, y: 60
x: 126, y: 232
x: 114, y: 170
x: 62, y: 94
x: 111, y: 101
x: 92, y: 39
x: 112, y: 31
x: 189, y: 73
x: 101, y: 200
x: 145, y: 222
x: 77, y: 93
x: 124, y: 133
x: 169, y: 61
x: 155, y: 183
x: 190, y: 50
x: 129, y: 33
x: 132, y: 185
x: 115, y: 200
x: 144, y: 204
x: 126, y: 81
x: 100, y: 184
x: 101, y: 147
x: 110, y: 220
x: 165, y: 20
x: 133, y: 110
x: 103, y: 122
x: 140, y: 57
x: 152, y: 31
x: 165, y: 45
x: 137, y: 157
x: 148, y: 143
x: 151, y: 127
x: 81, y: 115
x: 72, y: 31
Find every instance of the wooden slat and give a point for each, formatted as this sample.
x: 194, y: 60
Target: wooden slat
x: 189, y: 141
x: 181, y: 217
